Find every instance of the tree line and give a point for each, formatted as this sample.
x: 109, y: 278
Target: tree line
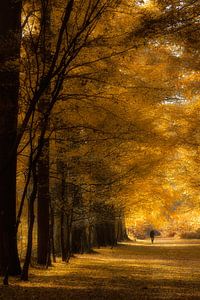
x: 63, y: 133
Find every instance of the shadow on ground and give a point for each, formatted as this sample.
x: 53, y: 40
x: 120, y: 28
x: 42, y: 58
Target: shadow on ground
x: 129, y: 272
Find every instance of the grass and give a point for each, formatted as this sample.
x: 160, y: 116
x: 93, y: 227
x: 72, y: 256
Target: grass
x: 166, y: 270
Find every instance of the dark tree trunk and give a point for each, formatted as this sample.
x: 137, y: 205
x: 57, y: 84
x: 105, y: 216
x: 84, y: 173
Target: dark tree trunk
x: 62, y: 237
x: 10, y: 36
x: 100, y: 235
x: 24, y: 275
x: 43, y: 206
x: 62, y: 226
x: 80, y: 240
x: 90, y: 237
x: 69, y: 237
x: 43, y: 164
x: 52, y: 233
x: 77, y: 240
x: 121, y: 232
x: 105, y: 234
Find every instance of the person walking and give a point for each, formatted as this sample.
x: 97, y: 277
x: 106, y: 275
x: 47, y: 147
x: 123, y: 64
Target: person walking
x: 152, y: 236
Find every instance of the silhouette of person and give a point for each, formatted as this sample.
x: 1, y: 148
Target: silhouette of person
x: 152, y: 235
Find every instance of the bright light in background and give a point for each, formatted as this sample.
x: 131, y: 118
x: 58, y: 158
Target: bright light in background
x: 176, y: 50
x: 176, y: 99
x: 143, y: 2
x: 30, y: 23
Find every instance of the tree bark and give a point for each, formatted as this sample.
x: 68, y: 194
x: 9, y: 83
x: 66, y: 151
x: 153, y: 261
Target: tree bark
x: 24, y: 275
x: 10, y: 37
x: 43, y: 207
x: 62, y: 237
x: 52, y: 233
x: 62, y: 232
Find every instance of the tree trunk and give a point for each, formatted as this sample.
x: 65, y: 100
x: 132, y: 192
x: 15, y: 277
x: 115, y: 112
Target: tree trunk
x: 62, y: 237
x: 43, y: 164
x: 24, y: 275
x: 10, y: 36
x: 52, y: 233
x: 69, y: 236
x: 43, y: 206
x: 122, y: 234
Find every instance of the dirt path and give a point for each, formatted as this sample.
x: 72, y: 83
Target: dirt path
x: 166, y: 270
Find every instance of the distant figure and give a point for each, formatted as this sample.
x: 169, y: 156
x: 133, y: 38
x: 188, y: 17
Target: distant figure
x: 152, y: 235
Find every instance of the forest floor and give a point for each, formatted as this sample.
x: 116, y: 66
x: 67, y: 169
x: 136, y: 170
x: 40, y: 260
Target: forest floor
x: 168, y: 269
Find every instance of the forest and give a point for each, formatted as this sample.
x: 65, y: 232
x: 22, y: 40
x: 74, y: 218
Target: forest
x: 99, y: 127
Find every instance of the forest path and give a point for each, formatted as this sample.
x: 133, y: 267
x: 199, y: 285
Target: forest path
x: 168, y: 269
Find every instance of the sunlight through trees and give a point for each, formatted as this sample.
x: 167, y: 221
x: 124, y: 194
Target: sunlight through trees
x: 100, y: 111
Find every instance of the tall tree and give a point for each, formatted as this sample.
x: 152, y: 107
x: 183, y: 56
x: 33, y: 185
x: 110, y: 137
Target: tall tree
x: 43, y: 203
x: 10, y: 36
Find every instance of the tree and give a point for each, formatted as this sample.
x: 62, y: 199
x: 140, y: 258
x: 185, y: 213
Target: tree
x: 10, y: 37
x: 43, y: 199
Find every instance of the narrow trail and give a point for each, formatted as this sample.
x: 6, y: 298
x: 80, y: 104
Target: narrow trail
x: 168, y: 269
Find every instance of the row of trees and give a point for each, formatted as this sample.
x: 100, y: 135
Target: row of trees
x: 48, y: 60
x: 72, y: 76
